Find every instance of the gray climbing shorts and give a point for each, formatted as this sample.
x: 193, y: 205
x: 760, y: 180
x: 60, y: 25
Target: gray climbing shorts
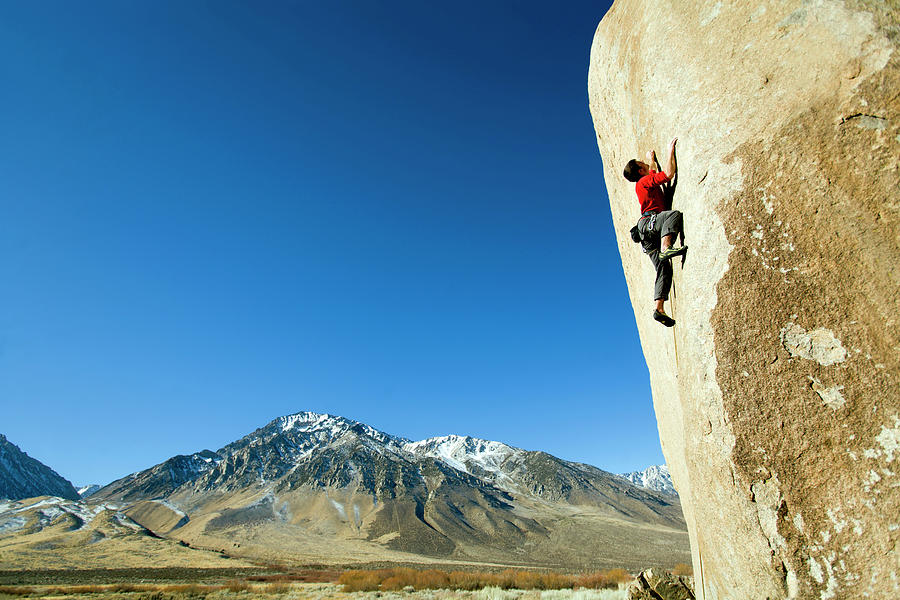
x: 657, y: 226
x: 652, y: 229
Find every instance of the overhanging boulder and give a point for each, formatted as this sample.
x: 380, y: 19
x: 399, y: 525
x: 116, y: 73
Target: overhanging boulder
x: 777, y: 394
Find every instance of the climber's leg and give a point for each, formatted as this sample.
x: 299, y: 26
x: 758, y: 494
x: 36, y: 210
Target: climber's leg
x: 663, y: 276
x: 670, y: 223
x: 667, y: 241
x: 662, y: 287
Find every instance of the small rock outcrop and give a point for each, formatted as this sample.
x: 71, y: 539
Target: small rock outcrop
x: 659, y: 585
x: 24, y: 477
x: 777, y: 393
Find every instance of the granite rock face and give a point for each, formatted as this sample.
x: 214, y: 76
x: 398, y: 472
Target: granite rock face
x: 777, y: 394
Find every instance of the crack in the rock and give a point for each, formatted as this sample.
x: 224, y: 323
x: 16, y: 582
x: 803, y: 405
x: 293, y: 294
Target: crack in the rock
x: 861, y: 116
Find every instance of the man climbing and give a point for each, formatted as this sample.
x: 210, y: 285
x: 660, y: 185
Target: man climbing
x: 658, y: 225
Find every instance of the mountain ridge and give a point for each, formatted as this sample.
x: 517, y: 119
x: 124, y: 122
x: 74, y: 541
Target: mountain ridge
x: 22, y: 476
x: 313, y: 480
x: 279, y: 449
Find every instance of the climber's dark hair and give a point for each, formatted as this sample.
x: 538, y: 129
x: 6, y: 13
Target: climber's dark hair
x: 632, y: 170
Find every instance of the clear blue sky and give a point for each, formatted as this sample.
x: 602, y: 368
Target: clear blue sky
x: 216, y: 213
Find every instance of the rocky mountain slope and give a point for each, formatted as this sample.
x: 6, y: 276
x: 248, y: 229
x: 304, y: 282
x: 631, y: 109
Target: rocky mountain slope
x: 776, y: 393
x: 655, y: 477
x: 24, y: 477
x: 309, y: 484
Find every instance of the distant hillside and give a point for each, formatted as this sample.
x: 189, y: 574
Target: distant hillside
x: 24, y: 477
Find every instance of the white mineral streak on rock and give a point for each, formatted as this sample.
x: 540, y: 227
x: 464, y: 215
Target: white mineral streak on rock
x: 834, y: 517
x: 755, y: 143
x: 798, y: 522
x: 871, y: 481
x: 831, y: 396
x: 889, y: 439
x: 768, y: 500
x: 711, y: 14
x: 819, y: 345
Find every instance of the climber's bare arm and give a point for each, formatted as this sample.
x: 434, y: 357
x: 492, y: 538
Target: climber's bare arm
x: 671, y: 163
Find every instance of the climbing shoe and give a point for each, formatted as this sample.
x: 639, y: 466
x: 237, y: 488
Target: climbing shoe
x: 671, y: 252
x: 663, y: 318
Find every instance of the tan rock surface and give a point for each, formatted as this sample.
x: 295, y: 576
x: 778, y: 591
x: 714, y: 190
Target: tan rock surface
x: 777, y: 392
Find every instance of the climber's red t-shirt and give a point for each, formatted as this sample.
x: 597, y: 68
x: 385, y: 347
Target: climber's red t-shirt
x: 649, y: 193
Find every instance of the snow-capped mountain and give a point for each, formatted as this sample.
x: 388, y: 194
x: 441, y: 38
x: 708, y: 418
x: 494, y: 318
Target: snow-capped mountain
x: 24, y: 477
x: 318, y: 475
x: 86, y: 490
x: 656, y: 478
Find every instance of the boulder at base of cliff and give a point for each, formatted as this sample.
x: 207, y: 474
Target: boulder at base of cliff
x: 660, y: 585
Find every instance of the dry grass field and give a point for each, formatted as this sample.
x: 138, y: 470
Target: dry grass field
x: 317, y: 583
x: 241, y: 590
x: 402, y: 578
